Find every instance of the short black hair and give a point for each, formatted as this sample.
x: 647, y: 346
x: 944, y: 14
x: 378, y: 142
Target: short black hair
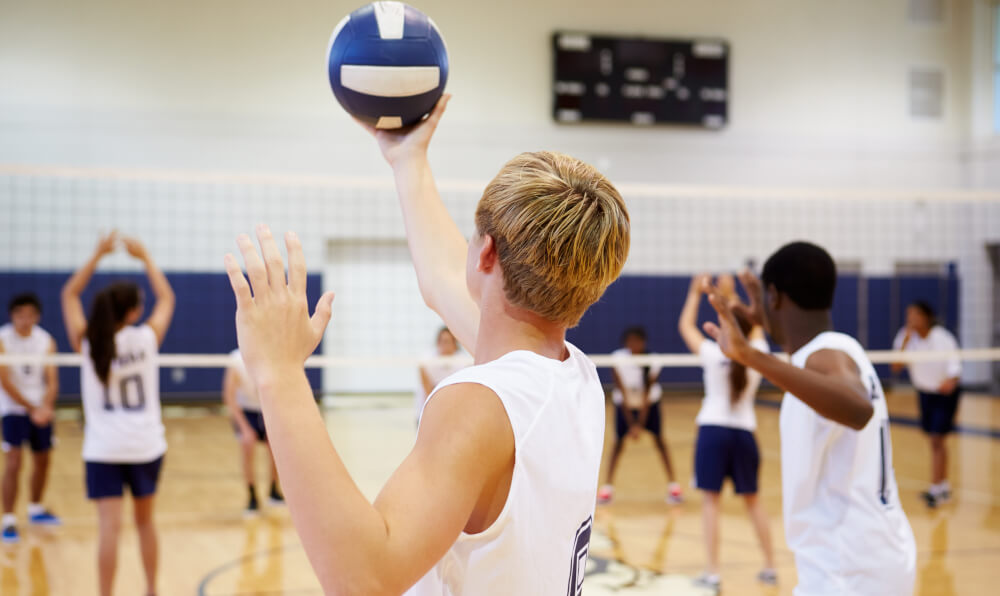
x: 804, y: 272
x: 635, y: 331
x: 925, y: 309
x: 24, y: 299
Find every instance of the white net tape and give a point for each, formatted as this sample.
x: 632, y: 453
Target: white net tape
x: 662, y: 360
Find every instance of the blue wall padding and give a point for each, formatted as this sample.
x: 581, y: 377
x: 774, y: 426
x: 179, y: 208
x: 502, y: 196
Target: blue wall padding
x: 655, y: 303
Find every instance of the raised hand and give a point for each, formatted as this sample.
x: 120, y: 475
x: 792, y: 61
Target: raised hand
x: 754, y: 311
x: 698, y: 283
x: 106, y: 244
x: 273, y: 326
x: 400, y: 144
x: 135, y: 248
x: 726, y: 332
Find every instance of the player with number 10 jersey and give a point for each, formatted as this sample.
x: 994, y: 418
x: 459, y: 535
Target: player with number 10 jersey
x: 123, y: 439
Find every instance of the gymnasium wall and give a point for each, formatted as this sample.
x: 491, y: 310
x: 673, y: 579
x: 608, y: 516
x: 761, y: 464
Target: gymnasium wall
x: 818, y: 100
x: 819, y: 89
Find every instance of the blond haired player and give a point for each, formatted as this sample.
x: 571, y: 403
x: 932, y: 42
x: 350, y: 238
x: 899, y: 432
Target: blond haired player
x: 497, y: 495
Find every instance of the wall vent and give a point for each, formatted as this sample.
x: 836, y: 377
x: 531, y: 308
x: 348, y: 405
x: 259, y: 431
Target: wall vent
x: 926, y: 87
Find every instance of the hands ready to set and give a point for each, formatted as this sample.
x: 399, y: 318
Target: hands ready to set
x: 109, y: 243
x: 727, y: 333
x: 273, y: 326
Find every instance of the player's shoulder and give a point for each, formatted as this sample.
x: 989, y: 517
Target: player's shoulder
x: 6, y: 329
x: 941, y: 333
x: 39, y: 332
x: 137, y: 334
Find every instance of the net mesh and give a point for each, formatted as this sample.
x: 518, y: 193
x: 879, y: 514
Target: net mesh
x: 892, y: 247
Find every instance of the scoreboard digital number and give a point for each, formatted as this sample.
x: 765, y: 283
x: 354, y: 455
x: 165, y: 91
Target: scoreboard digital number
x: 640, y: 80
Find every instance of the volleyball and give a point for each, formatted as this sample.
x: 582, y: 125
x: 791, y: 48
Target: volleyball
x: 387, y: 64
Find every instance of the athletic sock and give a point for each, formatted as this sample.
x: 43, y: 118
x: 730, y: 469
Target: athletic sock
x: 9, y: 519
x: 35, y: 509
x: 940, y: 488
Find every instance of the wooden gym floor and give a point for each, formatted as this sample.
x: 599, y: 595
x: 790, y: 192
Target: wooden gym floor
x: 641, y: 546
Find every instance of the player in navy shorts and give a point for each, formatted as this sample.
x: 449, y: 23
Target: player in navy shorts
x: 726, y: 447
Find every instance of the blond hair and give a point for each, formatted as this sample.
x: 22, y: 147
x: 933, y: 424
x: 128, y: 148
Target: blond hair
x: 561, y: 232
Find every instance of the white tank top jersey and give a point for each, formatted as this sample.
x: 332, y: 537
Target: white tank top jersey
x: 539, y: 542
x: 246, y: 392
x: 843, y: 519
x: 632, y: 378
x: 123, y: 423
x: 928, y: 376
x: 717, y: 408
x: 437, y: 373
x: 28, y: 378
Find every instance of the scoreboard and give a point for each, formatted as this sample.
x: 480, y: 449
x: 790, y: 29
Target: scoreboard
x: 640, y: 80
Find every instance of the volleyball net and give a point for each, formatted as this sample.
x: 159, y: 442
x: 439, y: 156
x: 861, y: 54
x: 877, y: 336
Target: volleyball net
x: 892, y: 247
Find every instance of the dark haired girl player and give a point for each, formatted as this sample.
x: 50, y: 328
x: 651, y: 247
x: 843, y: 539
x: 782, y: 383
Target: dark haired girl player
x: 843, y: 519
x: 123, y: 440
x: 937, y: 385
x: 726, y: 446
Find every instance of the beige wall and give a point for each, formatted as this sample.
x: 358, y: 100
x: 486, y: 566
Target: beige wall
x: 818, y: 88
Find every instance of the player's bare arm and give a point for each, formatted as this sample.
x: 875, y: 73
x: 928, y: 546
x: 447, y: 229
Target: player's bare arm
x: 687, y: 324
x: 829, y: 383
x: 425, y: 382
x: 163, y: 308
x: 626, y: 411
x: 230, y: 383
x: 42, y: 415
x: 10, y: 387
x: 73, y: 315
x: 437, y: 246
x: 460, y: 462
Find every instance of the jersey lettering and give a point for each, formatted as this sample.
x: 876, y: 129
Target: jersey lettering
x: 885, y: 447
x: 130, y: 405
x: 578, y: 566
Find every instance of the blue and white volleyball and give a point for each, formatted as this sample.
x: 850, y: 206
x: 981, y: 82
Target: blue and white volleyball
x: 387, y: 64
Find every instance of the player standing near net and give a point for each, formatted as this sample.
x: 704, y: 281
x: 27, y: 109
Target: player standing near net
x: 27, y: 403
x: 843, y: 519
x: 123, y: 438
x: 636, y: 397
x: 937, y: 385
x: 240, y: 397
x: 430, y: 374
x: 497, y: 495
x: 726, y: 446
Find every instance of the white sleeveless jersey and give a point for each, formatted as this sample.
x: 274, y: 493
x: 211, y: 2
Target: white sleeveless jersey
x: 717, y: 408
x: 28, y: 378
x: 843, y: 519
x: 246, y: 392
x: 539, y: 542
x: 123, y: 423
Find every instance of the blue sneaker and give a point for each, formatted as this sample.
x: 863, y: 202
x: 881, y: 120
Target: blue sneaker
x: 44, y: 518
x: 10, y: 535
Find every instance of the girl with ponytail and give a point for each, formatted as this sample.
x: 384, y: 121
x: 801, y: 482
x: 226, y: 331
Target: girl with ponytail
x: 726, y: 445
x: 123, y: 438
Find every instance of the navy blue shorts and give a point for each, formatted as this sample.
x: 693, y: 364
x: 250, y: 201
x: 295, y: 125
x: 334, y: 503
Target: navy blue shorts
x: 19, y: 429
x: 722, y: 451
x: 937, y: 412
x: 256, y: 421
x: 652, y: 419
x: 109, y: 479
